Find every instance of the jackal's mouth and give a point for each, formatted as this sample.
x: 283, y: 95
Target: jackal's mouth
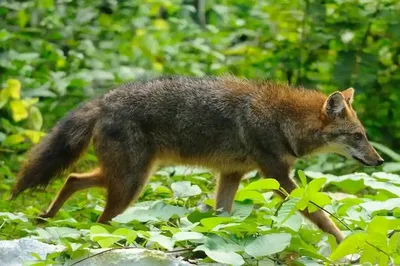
x: 361, y: 161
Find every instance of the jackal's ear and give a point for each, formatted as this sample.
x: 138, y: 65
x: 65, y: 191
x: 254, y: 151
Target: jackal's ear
x: 348, y: 95
x: 335, y: 105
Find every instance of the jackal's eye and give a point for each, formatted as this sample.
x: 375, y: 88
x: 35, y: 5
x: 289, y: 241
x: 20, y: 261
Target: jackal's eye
x: 358, y: 136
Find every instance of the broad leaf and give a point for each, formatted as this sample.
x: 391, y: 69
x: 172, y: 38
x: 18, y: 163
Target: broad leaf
x: 350, y: 245
x: 263, y: 184
x: 103, y: 237
x: 184, y: 189
x: 268, y: 244
x: 181, y: 236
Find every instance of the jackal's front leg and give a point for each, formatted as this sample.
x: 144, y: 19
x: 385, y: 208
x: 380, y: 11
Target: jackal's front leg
x: 319, y: 218
x: 227, y: 186
x: 280, y: 171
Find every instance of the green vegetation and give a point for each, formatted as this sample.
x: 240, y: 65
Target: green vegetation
x: 56, y: 54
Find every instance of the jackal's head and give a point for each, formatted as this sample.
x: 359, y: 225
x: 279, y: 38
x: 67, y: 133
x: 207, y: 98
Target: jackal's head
x: 343, y: 132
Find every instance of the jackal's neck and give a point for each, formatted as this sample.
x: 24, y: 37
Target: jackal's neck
x: 298, y: 113
x: 301, y: 120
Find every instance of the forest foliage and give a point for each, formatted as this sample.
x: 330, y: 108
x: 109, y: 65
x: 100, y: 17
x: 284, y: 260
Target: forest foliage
x: 55, y: 54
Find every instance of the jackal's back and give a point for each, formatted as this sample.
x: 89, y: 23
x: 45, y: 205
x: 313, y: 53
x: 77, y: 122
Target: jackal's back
x: 193, y: 119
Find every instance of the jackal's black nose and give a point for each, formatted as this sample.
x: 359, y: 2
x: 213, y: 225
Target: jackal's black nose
x: 380, y: 162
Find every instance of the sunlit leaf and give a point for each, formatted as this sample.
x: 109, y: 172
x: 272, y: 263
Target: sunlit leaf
x: 303, y: 178
x: 13, y: 88
x: 128, y: 234
x: 103, y: 237
x: 263, y: 184
x: 18, y: 110
x: 185, y: 189
x: 254, y: 196
x: 350, y: 245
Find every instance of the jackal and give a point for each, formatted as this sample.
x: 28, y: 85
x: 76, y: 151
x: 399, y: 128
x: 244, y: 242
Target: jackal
x: 229, y: 125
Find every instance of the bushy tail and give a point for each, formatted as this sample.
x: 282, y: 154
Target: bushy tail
x: 58, y: 150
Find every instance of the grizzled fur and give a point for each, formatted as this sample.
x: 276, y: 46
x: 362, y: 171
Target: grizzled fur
x: 229, y: 125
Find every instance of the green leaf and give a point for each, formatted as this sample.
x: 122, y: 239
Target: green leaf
x: 135, y: 214
x: 350, y: 245
x: 268, y: 244
x: 165, y: 212
x: 3, y: 98
x: 164, y: 241
x: 303, y: 203
x: 227, y: 257
x: 13, y: 89
x: 293, y: 222
x: 242, y: 210
x: 182, y: 236
x: 298, y: 192
x: 315, y: 185
x: 220, y: 252
x: 196, y: 216
x: 394, y: 245
x: 128, y: 234
x: 5, y: 35
x: 23, y: 18
x: 35, y: 118
x: 34, y: 136
x: 287, y: 209
x: 212, y: 222
x: 184, y: 189
x: 371, y: 255
x: 103, y: 237
x: 378, y: 225
x: 35, y: 255
x: 56, y: 233
x: 246, y: 227
x: 13, y: 139
x: 155, y: 212
x: 18, y: 110
x: 46, y: 3
x: 17, y: 217
x: 263, y: 184
x: 320, y: 199
x: 373, y: 206
x: 254, y: 196
x: 303, y: 178
x: 387, y: 177
x: 355, y: 182
x: 312, y: 254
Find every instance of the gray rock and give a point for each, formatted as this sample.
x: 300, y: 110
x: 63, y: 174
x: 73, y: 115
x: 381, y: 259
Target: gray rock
x: 128, y: 257
x: 15, y: 252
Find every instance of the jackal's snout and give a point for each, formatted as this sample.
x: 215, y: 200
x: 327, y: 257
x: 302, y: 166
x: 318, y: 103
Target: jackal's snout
x: 366, y: 155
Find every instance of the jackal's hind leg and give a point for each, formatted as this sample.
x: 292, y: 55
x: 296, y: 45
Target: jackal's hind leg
x: 122, y: 192
x: 74, y: 183
x: 127, y: 167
